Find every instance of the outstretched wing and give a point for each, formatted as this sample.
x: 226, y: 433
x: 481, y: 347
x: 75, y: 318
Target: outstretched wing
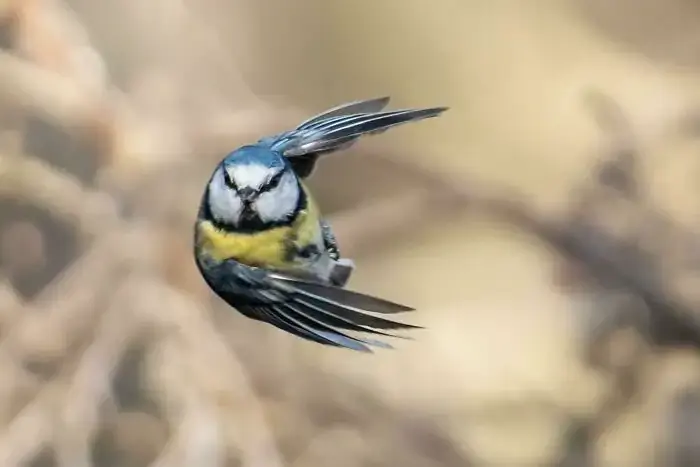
x: 315, y: 311
x: 341, y: 127
x: 351, y: 108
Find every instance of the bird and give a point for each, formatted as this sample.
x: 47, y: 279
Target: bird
x: 262, y: 245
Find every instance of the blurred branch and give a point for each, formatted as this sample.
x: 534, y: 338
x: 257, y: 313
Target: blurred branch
x: 616, y: 239
x: 31, y: 430
x: 680, y: 447
x: 73, y: 398
x: 238, y: 409
x: 66, y: 309
x: 25, y: 85
x: 203, y: 36
x: 48, y: 33
x: 90, y: 385
x: 368, y: 226
x: 610, y: 259
x: 19, y: 387
x: 36, y: 182
x: 197, y: 438
x: 10, y: 307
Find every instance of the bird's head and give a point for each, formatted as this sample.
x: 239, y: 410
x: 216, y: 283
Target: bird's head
x: 253, y: 188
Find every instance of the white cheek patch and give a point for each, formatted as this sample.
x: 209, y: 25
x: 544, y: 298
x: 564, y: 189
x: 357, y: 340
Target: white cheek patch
x: 250, y: 175
x: 224, y: 203
x: 280, y: 202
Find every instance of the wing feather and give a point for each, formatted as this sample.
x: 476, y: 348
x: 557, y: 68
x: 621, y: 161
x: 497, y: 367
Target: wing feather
x: 319, y: 329
x: 321, y: 313
x: 343, y: 130
x: 339, y: 296
x: 356, y: 107
x: 273, y: 317
x: 339, y: 128
x: 351, y: 316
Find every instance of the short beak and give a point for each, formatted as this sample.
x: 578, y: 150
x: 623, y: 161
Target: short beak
x: 247, y: 194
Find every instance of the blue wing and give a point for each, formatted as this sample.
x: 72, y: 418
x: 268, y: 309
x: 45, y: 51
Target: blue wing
x: 339, y: 128
x: 307, y: 309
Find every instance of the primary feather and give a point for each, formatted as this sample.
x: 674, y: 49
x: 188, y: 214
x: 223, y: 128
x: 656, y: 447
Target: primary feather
x: 307, y: 308
x: 329, y: 134
x: 357, y: 107
x: 339, y: 128
x: 322, y: 312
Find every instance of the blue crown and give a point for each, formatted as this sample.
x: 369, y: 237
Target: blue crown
x: 254, y: 154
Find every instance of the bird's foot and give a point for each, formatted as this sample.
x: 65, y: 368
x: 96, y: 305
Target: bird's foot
x: 342, y: 270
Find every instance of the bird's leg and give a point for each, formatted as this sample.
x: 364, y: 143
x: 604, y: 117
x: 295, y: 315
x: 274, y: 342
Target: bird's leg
x: 329, y: 240
x: 342, y: 267
x: 342, y: 270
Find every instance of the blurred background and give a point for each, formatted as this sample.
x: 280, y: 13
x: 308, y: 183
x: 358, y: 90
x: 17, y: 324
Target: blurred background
x: 545, y: 228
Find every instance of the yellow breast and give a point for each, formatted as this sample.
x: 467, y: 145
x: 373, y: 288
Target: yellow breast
x: 269, y: 249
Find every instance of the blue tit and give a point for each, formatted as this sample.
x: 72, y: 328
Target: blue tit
x: 263, y: 247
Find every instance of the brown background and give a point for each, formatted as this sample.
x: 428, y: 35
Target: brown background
x: 113, y: 115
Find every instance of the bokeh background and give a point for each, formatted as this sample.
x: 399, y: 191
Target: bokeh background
x: 544, y: 228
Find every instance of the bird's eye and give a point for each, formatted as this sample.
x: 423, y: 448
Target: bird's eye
x: 274, y: 181
x: 229, y: 181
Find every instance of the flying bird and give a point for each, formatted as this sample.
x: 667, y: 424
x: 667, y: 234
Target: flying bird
x: 262, y: 245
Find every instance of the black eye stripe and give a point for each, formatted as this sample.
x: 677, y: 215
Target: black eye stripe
x: 273, y: 182
x: 228, y: 180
